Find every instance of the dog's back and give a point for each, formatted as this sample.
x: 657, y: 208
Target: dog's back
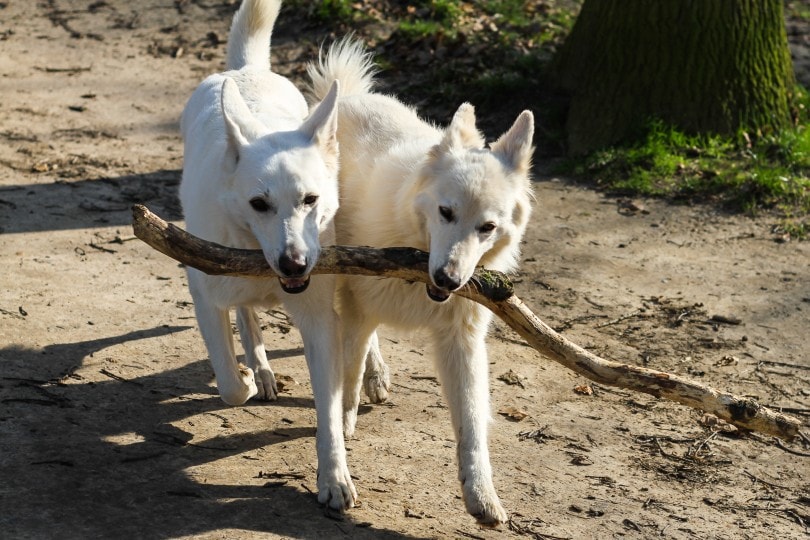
x: 380, y: 140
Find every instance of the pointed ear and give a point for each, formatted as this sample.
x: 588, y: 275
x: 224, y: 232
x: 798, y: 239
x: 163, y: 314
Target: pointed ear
x: 240, y: 124
x: 461, y: 133
x: 321, y: 126
x: 514, y: 147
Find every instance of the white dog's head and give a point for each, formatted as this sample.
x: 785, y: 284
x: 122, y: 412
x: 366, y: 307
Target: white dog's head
x: 283, y: 184
x: 474, y: 202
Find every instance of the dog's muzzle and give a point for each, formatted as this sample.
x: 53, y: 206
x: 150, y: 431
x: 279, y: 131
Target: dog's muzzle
x: 442, y: 285
x: 293, y: 273
x: 294, y: 285
x: 436, y: 294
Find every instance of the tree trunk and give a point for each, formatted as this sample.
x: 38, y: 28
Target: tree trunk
x: 703, y: 66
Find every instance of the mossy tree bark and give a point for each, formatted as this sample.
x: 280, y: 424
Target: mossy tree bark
x: 702, y: 66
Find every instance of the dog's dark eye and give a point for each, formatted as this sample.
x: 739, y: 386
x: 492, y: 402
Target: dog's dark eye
x: 446, y: 213
x: 309, y: 200
x: 487, y: 227
x: 259, y: 204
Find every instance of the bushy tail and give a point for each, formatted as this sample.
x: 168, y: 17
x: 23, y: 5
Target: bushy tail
x: 347, y: 61
x: 249, y: 39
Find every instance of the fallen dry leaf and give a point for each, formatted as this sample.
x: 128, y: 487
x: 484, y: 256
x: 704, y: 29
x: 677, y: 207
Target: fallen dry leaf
x: 283, y: 382
x: 583, y: 389
x: 513, y: 413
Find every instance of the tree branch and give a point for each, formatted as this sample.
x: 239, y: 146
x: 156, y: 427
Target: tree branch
x: 490, y: 289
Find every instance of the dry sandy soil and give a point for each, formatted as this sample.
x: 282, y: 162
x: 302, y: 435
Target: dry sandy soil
x: 110, y: 426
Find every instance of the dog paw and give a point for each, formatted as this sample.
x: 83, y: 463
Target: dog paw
x: 483, y: 504
x: 336, y: 489
x: 239, y: 391
x: 266, y: 385
x: 377, y: 384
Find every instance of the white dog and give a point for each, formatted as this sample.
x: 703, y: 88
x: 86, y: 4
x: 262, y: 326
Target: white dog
x: 260, y: 173
x: 405, y: 182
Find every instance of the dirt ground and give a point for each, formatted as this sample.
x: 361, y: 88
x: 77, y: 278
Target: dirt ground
x: 110, y: 425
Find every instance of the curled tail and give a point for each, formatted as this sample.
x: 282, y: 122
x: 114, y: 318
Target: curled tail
x: 249, y: 39
x: 347, y: 61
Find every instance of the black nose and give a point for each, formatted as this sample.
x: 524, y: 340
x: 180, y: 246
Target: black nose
x: 448, y: 283
x: 292, y: 266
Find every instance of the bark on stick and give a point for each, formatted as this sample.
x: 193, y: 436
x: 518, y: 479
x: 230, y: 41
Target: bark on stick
x: 490, y: 289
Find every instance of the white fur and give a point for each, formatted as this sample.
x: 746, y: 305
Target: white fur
x: 407, y: 183
x: 249, y: 137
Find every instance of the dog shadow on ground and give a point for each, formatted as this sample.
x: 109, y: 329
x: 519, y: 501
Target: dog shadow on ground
x: 91, y: 459
x: 82, y: 203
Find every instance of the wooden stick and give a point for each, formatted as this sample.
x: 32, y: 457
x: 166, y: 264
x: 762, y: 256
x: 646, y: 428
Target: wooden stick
x: 490, y: 289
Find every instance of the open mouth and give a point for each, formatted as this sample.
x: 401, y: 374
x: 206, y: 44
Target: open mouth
x: 436, y: 294
x: 294, y: 285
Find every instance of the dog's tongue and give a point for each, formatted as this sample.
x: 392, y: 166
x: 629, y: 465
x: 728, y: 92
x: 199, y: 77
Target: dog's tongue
x: 436, y: 294
x: 294, y: 285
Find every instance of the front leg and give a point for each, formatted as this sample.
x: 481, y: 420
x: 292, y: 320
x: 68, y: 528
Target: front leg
x: 235, y: 382
x: 317, y: 321
x: 463, y: 372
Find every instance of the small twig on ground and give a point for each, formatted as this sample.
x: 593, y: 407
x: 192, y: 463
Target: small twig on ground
x: 12, y: 314
x: 783, y: 364
x: 412, y: 389
x: 664, y: 452
x: 112, y: 375
x: 568, y: 323
x: 101, y: 248
x: 693, y: 453
x: 620, y: 319
x: 63, y: 70
x: 469, y: 535
x: 764, y: 482
x: 781, y: 445
x: 594, y: 303
x: 119, y: 240
x: 527, y: 529
x: 798, y: 518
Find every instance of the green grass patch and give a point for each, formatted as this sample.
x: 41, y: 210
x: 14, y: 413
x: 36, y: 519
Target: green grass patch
x: 341, y: 10
x: 769, y: 172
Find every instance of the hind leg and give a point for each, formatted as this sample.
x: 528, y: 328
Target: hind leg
x: 355, y: 350
x: 255, y: 355
x: 358, y: 333
x: 377, y: 376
